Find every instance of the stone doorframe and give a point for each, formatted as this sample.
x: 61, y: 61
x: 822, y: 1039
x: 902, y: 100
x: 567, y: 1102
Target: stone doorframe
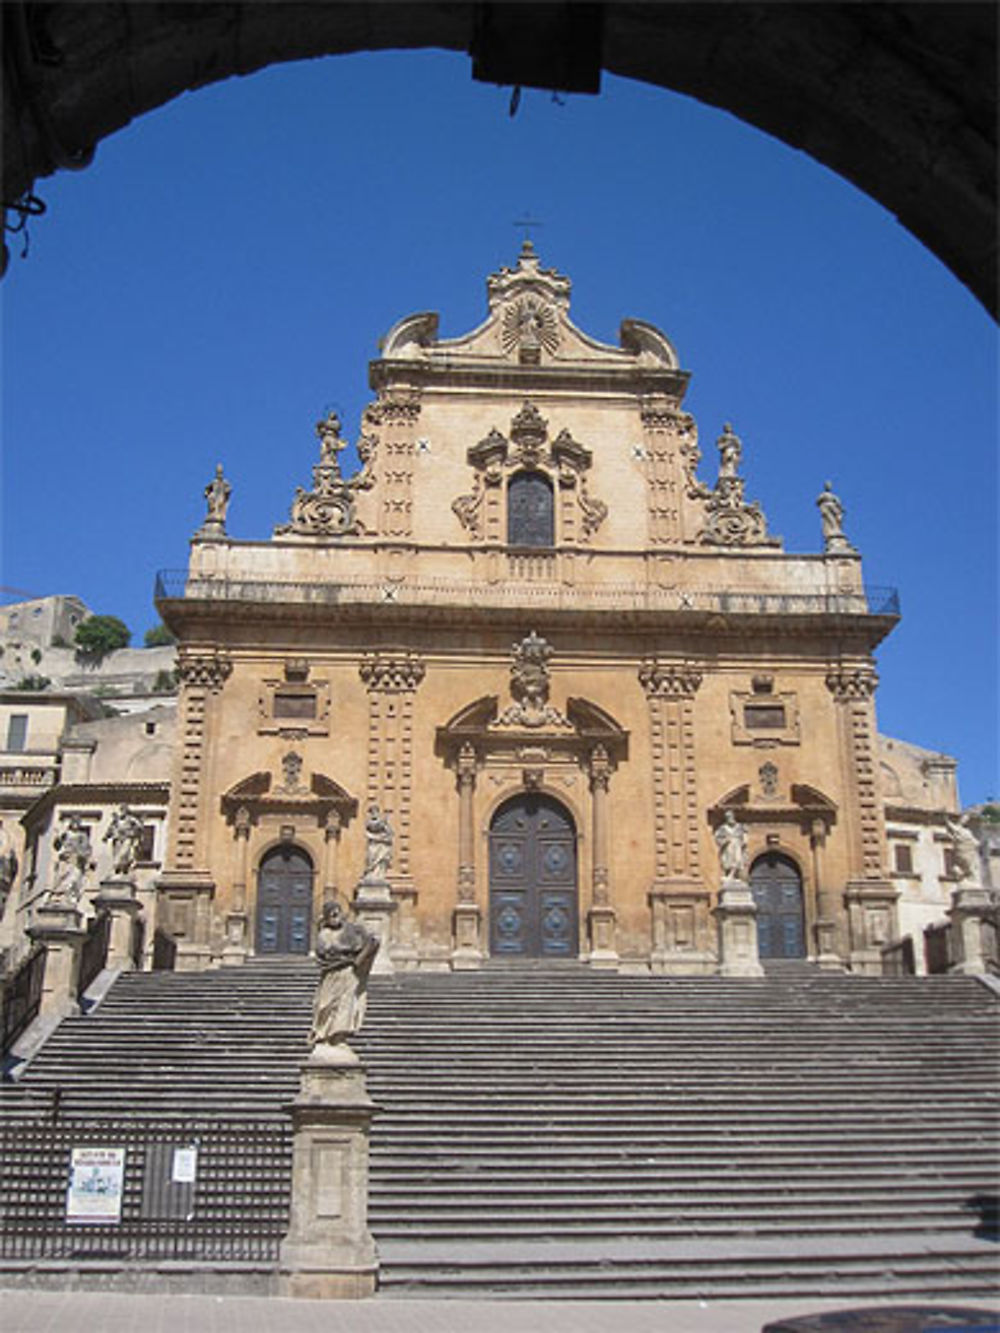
x: 587, y: 741
x: 262, y: 815
x: 797, y: 826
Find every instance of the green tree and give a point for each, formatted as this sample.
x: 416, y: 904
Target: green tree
x: 99, y: 635
x: 159, y: 636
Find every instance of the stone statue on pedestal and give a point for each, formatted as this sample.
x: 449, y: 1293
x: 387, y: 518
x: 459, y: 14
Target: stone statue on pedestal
x: 965, y: 852
x: 345, y: 951
x: 74, y: 857
x: 378, y: 852
x: 731, y: 840
x: 125, y: 835
x: 831, y: 516
x: 217, y: 494
x: 8, y: 866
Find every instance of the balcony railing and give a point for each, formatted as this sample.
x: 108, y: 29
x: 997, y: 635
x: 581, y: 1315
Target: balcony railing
x: 179, y: 584
x: 27, y: 775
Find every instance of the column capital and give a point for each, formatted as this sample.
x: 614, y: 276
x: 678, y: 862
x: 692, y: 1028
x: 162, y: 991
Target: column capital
x: 849, y: 684
x: 210, y: 667
x: 669, y: 680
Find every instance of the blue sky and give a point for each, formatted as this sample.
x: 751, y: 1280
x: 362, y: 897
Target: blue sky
x: 221, y: 276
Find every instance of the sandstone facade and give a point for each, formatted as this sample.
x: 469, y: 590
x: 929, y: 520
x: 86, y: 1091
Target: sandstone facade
x: 533, y: 635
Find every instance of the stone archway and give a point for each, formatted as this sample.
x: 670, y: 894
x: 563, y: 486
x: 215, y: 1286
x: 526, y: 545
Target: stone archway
x: 284, y: 906
x: 898, y: 98
x: 534, y: 904
x: 776, y: 885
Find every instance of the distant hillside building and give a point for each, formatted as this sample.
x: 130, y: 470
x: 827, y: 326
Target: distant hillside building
x: 542, y: 659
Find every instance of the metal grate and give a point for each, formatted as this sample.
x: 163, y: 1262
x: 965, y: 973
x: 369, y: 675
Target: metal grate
x: 236, y: 1209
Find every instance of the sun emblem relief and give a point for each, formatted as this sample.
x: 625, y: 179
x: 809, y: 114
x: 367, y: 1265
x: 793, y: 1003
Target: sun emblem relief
x: 527, y: 325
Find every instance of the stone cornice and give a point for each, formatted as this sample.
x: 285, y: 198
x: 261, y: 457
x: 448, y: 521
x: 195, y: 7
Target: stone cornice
x: 598, y: 381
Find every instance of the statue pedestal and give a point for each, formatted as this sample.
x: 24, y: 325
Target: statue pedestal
x: 736, y: 913
x: 329, y: 1252
x: 467, y: 954
x: 59, y: 926
x: 871, y: 912
x: 374, y: 906
x: 603, y: 954
x: 117, y: 896
x: 973, y: 930
x: 235, y: 949
x: 827, y: 957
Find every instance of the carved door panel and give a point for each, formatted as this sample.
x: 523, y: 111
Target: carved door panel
x: 533, y: 895
x: 284, y: 902
x: 777, y: 890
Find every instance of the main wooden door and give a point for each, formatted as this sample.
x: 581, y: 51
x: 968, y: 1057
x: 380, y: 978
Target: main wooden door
x: 533, y: 894
x: 284, y: 901
x: 776, y: 886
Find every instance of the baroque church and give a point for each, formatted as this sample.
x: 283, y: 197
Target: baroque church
x: 508, y: 687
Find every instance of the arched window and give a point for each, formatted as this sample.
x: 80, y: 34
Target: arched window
x: 530, y: 511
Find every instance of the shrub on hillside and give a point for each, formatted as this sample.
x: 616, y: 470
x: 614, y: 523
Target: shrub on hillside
x: 99, y: 635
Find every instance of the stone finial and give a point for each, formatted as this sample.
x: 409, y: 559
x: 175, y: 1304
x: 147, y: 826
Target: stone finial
x: 731, y: 520
x: 831, y: 516
x: 328, y: 509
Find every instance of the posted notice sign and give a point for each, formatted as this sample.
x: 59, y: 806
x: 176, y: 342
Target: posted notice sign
x: 96, y: 1176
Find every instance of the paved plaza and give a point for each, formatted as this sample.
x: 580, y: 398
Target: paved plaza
x: 101, y: 1312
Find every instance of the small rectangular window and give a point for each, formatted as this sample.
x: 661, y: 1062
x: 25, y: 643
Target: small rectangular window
x: 950, y: 866
x: 764, y: 717
x: 17, y: 731
x: 904, y: 858
x: 147, y: 843
x: 295, y: 705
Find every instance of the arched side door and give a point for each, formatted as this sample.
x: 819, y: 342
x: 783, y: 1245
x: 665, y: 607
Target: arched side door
x: 533, y: 891
x: 284, y: 901
x: 776, y: 886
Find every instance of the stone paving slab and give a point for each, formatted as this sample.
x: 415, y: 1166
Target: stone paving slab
x: 100, y: 1312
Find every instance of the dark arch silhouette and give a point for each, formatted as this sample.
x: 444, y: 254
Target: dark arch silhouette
x: 899, y: 98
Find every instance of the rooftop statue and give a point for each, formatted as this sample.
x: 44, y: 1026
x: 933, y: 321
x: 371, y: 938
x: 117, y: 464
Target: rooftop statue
x: 345, y: 951
x: 831, y: 516
x: 217, y: 494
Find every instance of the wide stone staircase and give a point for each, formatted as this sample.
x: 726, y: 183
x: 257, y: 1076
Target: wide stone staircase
x: 561, y: 1133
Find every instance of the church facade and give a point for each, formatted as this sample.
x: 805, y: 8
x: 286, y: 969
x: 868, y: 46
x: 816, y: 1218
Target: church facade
x: 505, y: 688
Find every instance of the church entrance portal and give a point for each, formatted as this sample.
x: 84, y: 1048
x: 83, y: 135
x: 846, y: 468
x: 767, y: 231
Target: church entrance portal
x: 284, y: 901
x: 533, y: 894
x: 777, y: 890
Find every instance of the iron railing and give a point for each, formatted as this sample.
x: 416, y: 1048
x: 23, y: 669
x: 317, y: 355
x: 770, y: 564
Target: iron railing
x: 94, y: 951
x: 173, y: 584
x: 21, y: 997
x: 235, y: 1209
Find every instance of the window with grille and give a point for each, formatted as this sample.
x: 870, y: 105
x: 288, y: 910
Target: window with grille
x: 530, y: 511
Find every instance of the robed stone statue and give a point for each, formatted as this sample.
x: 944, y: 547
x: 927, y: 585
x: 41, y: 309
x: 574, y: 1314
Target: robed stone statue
x: 345, y: 951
